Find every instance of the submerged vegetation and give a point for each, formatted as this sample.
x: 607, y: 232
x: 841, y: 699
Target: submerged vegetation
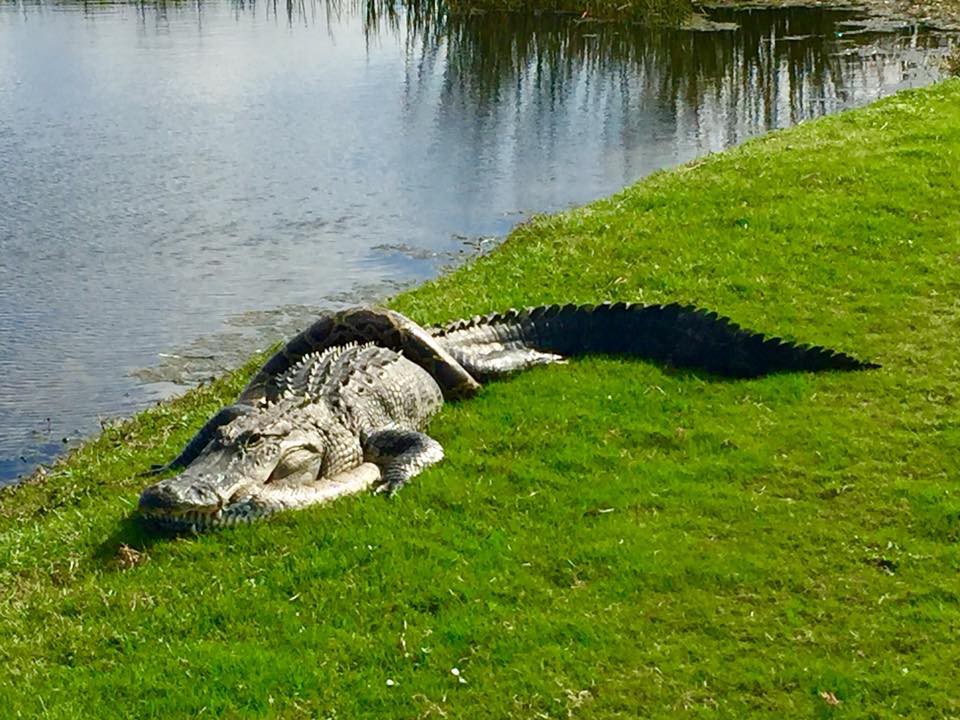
x: 607, y: 538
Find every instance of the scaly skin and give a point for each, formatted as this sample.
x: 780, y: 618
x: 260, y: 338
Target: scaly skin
x: 326, y: 417
x: 344, y: 422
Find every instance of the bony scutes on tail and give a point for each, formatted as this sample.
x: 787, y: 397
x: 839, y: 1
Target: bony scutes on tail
x: 342, y: 407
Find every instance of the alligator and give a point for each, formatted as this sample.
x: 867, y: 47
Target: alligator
x: 342, y: 407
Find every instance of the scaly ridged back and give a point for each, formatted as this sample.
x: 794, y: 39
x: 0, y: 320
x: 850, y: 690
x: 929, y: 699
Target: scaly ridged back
x: 364, y: 386
x: 386, y: 328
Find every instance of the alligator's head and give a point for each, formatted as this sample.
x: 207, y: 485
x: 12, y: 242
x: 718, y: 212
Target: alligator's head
x: 251, y: 469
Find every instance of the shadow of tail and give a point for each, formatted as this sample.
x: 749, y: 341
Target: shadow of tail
x: 676, y: 335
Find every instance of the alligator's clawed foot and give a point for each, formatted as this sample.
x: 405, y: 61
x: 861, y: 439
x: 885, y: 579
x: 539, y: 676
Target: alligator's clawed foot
x: 401, y: 454
x: 390, y: 486
x: 389, y: 489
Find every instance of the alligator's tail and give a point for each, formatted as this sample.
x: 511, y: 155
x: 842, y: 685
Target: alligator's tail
x: 681, y: 336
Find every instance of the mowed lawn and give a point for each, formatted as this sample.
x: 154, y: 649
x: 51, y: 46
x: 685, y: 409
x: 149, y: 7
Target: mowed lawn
x: 606, y: 539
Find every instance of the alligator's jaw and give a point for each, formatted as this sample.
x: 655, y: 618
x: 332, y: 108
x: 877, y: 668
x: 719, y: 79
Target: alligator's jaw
x: 211, y: 493
x: 263, y: 502
x: 198, y: 521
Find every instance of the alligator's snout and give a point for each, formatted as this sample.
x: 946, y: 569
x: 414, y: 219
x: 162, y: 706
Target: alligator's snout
x: 174, y: 495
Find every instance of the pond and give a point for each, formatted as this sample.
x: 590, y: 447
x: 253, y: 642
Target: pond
x: 182, y: 184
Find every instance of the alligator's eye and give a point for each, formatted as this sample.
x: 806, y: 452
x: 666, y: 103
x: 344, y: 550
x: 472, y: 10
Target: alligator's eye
x: 250, y: 438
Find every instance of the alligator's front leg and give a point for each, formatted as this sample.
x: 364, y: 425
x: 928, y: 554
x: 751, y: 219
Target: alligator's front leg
x: 401, y: 455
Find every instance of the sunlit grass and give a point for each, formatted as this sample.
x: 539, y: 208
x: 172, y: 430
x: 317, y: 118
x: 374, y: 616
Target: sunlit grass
x: 606, y: 538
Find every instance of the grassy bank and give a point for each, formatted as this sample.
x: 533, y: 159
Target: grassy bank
x: 607, y: 538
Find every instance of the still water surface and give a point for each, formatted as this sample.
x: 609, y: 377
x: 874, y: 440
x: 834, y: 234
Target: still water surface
x: 182, y: 184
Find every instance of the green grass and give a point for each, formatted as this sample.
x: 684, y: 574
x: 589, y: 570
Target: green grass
x: 607, y: 539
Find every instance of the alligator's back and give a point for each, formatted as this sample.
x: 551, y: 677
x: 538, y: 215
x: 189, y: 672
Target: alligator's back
x: 383, y: 327
x: 365, y: 387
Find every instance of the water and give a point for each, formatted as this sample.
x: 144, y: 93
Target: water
x: 182, y: 184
